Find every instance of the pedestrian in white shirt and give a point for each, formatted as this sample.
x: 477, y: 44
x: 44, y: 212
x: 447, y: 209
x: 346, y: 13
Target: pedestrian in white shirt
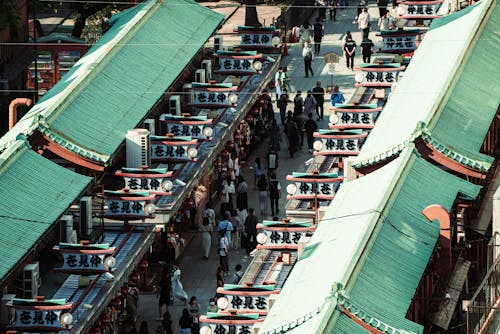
x: 364, y: 22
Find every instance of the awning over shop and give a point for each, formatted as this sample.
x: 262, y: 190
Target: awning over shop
x: 34, y: 193
x: 457, y: 103
x: 375, y: 243
x: 112, y: 88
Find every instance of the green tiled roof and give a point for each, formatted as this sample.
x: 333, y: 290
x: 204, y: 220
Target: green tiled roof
x: 423, y: 132
x: 401, y: 250
x: 458, y: 102
x: 34, y: 193
x: 111, y: 89
x: 376, y: 243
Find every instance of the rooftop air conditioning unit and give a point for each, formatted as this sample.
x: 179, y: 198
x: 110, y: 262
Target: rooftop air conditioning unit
x: 31, y: 280
x: 217, y: 43
x: 149, y: 124
x: 138, y: 148
x: 187, y: 94
x: 68, y: 233
x: 207, y: 66
x: 86, y: 223
x: 199, y: 76
x: 174, y: 105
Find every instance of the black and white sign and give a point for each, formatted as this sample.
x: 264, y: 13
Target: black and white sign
x: 143, y: 184
x: 209, y: 99
x: 256, y: 40
x: 231, y: 329
x: 379, y: 78
x: 360, y: 120
x: 164, y: 151
x: 252, y: 304
x: 282, y: 238
x: 125, y: 208
x: 314, y: 188
x: 341, y: 146
x: 82, y: 262
x: 41, y: 319
x: 398, y: 43
x: 237, y: 65
x: 420, y: 10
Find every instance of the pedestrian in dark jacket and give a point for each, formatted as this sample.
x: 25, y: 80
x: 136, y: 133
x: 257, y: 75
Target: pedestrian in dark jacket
x: 311, y: 126
x: 319, y: 95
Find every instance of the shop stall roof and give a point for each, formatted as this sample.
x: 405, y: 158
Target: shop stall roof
x: 375, y: 243
x: 112, y: 88
x: 34, y: 193
x: 449, y: 87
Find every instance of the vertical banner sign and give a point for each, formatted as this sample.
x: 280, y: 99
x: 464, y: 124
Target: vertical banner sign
x: 399, y: 41
x: 211, y: 95
x: 350, y: 116
x: 257, y: 38
x: 283, y: 235
x: 35, y: 316
x: 341, y: 143
x: 171, y: 148
x: 123, y: 205
x: 238, y: 63
x: 144, y: 179
x: 379, y: 75
x: 420, y: 10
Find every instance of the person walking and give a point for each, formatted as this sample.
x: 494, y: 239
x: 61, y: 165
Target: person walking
x: 322, y: 9
x: 219, y: 278
x: 185, y: 322
x: 277, y: 83
x: 310, y: 128
x: 212, y: 306
x: 223, y: 251
x: 283, y: 104
x: 227, y: 191
x: 306, y: 34
x: 318, y: 93
x: 238, y: 274
x: 274, y: 137
x: 364, y: 22
x: 307, y: 54
x: 194, y: 312
x: 272, y: 161
x: 164, y: 291
x: 167, y: 323
x: 350, y: 52
x: 239, y: 228
x: 251, y: 230
x: 226, y: 226
x: 206, y: 237
x: 383, y: 21
x: 309, y: 103
x: 300, y: 121
x: 241, y: 194
x: 298, y: 103
x: 274, y: 193
x: 257, y: 171
x: 337, y: 97
x: 332, y: 6
x: 319, y: 32
x: 367, y: 49
x: 263, y: 187
x: 292, y: 134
